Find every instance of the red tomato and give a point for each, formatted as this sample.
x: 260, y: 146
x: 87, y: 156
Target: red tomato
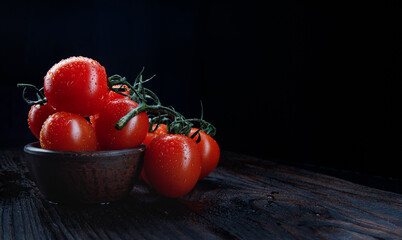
x: 113, y: 95
x: 65, y: 131
x: 209, y: 152
x: 77, y: 85
x: 151, y: 135
x: 37, y: 116
x: 130, y: 136
x: 172, y: 164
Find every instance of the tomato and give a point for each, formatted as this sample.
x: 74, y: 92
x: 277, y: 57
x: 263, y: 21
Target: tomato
x: 130, y: 136
x: 210, y: 152
x: 172, y: 164
x: 65, y: 131
x: 77, y: 85
x: 113, y: 95
x: 161, y: 130
x: 37, y: 116
x: 151, y: 135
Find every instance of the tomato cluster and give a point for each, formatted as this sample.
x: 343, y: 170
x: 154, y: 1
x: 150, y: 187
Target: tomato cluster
x: 80, y: 112
x: 76, y: 88
x: 174, y: 163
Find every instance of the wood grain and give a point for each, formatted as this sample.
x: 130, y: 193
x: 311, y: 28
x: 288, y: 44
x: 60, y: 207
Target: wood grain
x: 244, y: 198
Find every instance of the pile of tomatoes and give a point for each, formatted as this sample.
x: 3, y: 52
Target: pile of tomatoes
x: 78, y: 112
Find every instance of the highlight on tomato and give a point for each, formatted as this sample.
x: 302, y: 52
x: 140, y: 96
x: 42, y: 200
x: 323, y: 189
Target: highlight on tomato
x: 77, y: 85
x: 117, y: 95
x: 178, y: 153
x: 172, y: 164
x: 209, y: 150
x: 161, y: 130
x: 65, y: 131
x: 37, y: 116
x: 130, y: 136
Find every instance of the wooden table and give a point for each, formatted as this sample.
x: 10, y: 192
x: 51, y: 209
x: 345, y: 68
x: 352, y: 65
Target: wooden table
x: 244, y: 198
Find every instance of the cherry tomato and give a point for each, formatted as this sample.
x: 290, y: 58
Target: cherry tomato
x: 161, y: 130
x: 172, y: 164
x: 130, y: 136
x: 209, y: 152
x: 77, y: 85
x: 65, y: 131
x: 151, y: 135
x: 37, y: 116
x: 113, y: 95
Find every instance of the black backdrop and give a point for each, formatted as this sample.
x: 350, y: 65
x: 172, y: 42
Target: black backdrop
x: 305, y: 82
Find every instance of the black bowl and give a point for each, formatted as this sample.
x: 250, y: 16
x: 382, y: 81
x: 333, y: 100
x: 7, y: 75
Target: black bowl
x: 84, y: 177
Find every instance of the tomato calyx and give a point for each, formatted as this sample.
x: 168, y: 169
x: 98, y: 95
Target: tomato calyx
x: 158, y: 114
x: 40, y: 96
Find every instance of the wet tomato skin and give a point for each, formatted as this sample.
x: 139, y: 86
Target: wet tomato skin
x: 161, y: 130
x: 77, y: 85
x: 130, y: 136
x: 172, y: 164
x: 37, y: 116
x: 210, y: 152
x: 65, y: 131
x: 114, y: 96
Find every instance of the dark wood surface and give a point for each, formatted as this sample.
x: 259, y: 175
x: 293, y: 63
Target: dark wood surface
x: 244, y: 198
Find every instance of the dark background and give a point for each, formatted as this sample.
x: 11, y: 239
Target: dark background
x: 296, y: 81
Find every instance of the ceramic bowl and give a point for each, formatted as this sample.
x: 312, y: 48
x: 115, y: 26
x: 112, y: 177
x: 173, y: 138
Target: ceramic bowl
x: 84, y: 177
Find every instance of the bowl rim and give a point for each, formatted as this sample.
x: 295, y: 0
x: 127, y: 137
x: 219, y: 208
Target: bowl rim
x: 34, y: 148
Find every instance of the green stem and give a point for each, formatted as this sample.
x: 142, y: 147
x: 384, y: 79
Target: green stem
x: 143, y: 107
x: 205, y: 126
x: 149, y: 102
x: 124, y: 120
x: 41, y: 99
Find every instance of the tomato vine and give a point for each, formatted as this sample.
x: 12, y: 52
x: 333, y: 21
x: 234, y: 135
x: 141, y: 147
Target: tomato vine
x: 149, y: 102
x: 40, y: 96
